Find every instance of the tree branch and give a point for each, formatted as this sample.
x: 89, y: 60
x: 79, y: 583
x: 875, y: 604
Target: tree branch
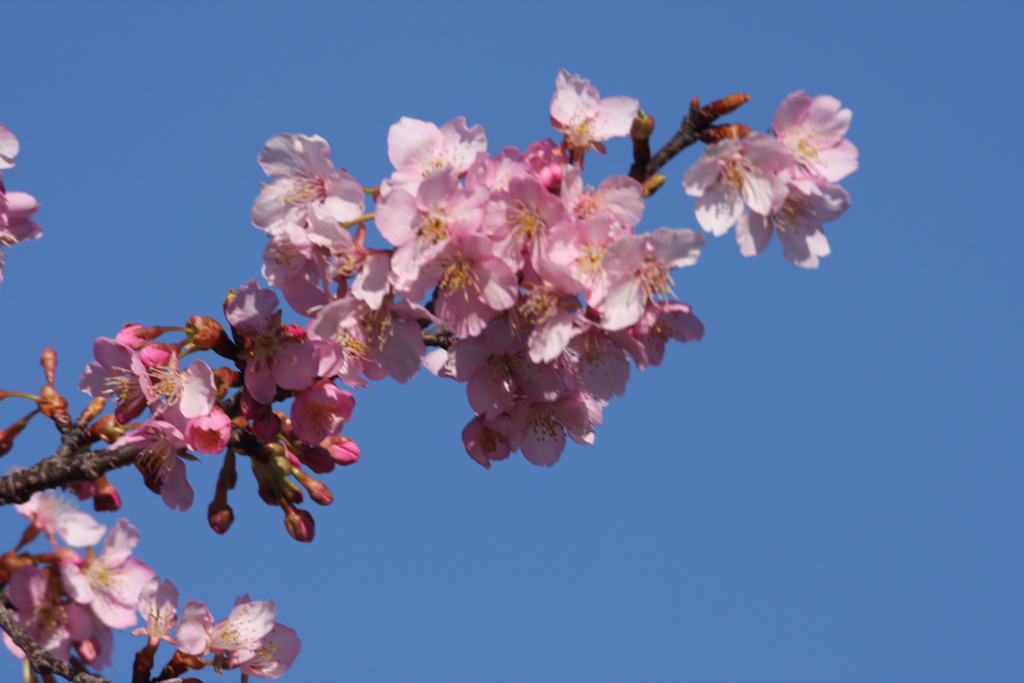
x: 42, y: 661
x: 55, y: 471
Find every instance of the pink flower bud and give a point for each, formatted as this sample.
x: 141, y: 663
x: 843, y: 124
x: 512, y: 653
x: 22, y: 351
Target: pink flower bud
x: 133, y: 336
x: 220, y: 515
x: 300, y: 524
x: 343, y: 450
x: 105, y: 498
x: 155, y: 354
x: 551, y: 176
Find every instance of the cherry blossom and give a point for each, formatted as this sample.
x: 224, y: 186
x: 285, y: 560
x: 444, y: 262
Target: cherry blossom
x: 161, y: 446
x: 158, y: 605
x: 578, y: 111
x: 116, y: 373
x: 275, y: 652
x: 235, y: 640
x: 419, y: 148
x: 111, y: 582
x: 813, y: 129
x: 51, y: 622
x: 55, y: 515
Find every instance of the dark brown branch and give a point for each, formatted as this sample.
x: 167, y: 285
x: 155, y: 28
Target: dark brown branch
x: 42, y: 661
x: 439, y: 336
x: 55, y: 471
x: 689, y: 132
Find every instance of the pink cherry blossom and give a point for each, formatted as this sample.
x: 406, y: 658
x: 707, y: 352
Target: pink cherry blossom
x: 319, y: 411
x: 522, y: 218
x: 619, y: 197
x: 814, y: 130
x: 110, y: 583
x: 304, y: 175
x: 160, y: 446
x: 158, y: 605
x: 51, y: 622
x: 660, y: 322
x: 235, y: 640
x: 797, y: 223
x: 208, y: 434
x: 9, y: 147
x: 732, y: 173
x: 638, y: 267
x: 542, y: 426
x: 275, y: 652
x: 116, y: 373
x: 275, y: 354
x: 178, y: 395
x: 490, y: 439
x: 418, y: 148
x: 578, y: 111
x: 56, y: 515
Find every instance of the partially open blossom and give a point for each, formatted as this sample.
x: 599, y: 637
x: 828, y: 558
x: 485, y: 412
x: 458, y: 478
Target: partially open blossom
x: 208, y: 434
x: 116, y: 374
x: 158, y: 605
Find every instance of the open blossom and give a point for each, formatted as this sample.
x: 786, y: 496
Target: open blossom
x: 797, y: 222
x: 111, y: 582
x: 304, y: 175
x: 732, y: 173
x: 275, y: 652
x: 160, y: 446
x: 55, y: 515
x: 319, y: 412
x: 661, y: 321
x: 51, y: 622
x: 9, y: 147
x: 813, y: 129
x: 275, y: 354
x: 116, y: 374
x: 639, y: 266
x: 236, y: 639
x: 158, y: 605
x: 418, y: 148
x: 178, y: 395
x: 542, y: 426
x: 578, y: 111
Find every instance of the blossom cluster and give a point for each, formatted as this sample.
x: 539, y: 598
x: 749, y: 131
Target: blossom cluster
x: 16, y: 208
x: 787, y: 181
x: 540, y: 280
x: 66, y: 601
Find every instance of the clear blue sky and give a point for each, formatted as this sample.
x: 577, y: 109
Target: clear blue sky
x: 829, y: 487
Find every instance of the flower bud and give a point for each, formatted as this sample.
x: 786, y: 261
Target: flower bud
x: 299, y: 523
x: 49, y: 360
x: 652, y: 184
x: 94, y: 408
x: 155, y: 354
x: 220, y: 515
x: 343, y: 450
x: 62, y: 555
x: 643, y: 126
x: 551, y: 177
x: 106, y: 498
x: 318, y: 491
x: 226, y: 379
x: 7, y: 435
x: 208, y: 335
x: 107, y: 428
x: 133, y: 336
x: 315, y: 458
x: 10, y: 562
x: 731, y: 131
x: 725, y: 105
x: 52, y: 404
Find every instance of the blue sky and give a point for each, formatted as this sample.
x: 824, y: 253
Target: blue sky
x: 827, y: 487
